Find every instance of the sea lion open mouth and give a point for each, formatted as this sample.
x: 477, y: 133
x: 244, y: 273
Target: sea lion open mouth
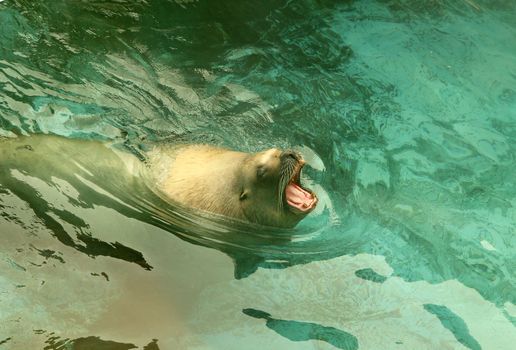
x: 294, y: 195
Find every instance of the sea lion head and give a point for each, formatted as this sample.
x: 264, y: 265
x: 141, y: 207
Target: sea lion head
x: 271, y: 192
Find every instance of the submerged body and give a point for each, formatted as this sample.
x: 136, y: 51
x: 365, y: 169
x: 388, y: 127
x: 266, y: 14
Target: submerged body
x: 261, y: 188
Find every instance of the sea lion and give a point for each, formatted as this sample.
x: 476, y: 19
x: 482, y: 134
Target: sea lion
x: 262, y: 188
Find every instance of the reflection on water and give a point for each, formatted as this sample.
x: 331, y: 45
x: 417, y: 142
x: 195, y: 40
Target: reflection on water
x: 406, y: 109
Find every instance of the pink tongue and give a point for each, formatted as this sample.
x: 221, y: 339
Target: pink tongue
x: 298, y: 198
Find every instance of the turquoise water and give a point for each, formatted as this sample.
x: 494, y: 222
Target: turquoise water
x: 406, y: 112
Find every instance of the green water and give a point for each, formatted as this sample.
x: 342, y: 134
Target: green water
x: 406, y: 111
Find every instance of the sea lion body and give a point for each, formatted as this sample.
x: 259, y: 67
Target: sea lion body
x: 262, y: 188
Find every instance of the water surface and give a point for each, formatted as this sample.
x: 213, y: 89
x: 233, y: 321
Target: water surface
x: 406, y: 111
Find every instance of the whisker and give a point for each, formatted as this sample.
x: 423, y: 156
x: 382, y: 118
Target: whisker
x: 287, y: 170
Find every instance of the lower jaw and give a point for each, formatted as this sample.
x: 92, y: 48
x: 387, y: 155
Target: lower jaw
x: 296, y: 210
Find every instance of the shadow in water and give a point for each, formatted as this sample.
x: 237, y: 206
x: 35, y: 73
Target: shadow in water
x: 303, y: 331
x: 88, y: 343
x: 5, y: 340
x: 370, y: 275
x: 454, y: 324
